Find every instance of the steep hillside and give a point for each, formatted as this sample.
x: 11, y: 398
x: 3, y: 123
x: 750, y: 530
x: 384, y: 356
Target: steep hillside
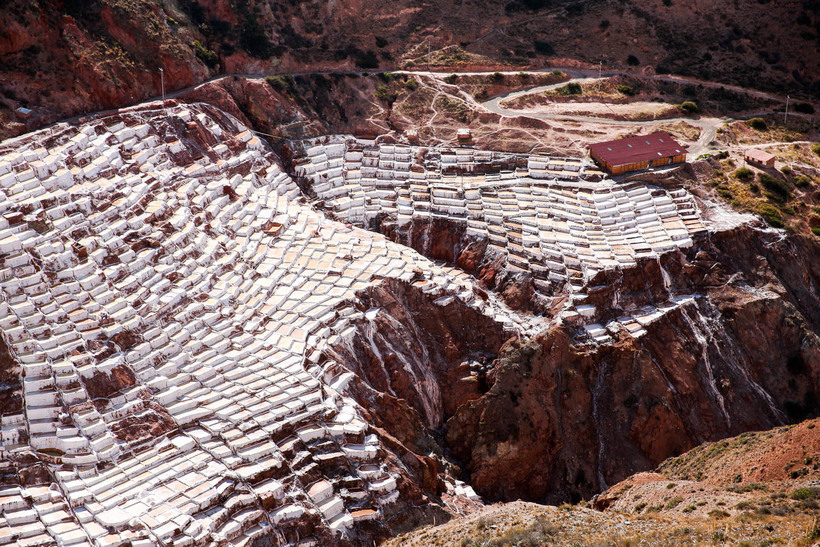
x: 724, y: 505
x: 648, y: 346
x: 64, y: 58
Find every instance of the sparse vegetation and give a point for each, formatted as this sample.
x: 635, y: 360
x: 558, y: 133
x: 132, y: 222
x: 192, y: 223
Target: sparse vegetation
x: 283, y: 84
x: 207, y: 56
x: 744, y: 173
x: 626, y: 89
x: 806, y: 493
x: 254, y: 40
x: 674, y: 502
x: 383, y: 93
x: 770, y: 214
x: 758, y: 124
x: 779, y: 187
x: 572, y: 88
x: 689, y: 107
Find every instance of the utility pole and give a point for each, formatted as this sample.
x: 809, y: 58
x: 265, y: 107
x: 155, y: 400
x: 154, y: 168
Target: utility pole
x: 786, y: 114
x: 162, y: 82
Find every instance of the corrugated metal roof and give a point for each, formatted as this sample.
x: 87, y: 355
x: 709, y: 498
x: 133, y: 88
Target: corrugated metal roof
x: 637, y: 149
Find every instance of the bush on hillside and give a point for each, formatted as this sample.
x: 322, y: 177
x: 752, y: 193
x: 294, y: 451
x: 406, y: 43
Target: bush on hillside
x: 744, y: 174
x: 689, y: 107
x: 572, y: 88
x: 207, y: 56
x: 283, y: 84
x: 758, y: 124
x: 770, y: 214
x: 775, y: 185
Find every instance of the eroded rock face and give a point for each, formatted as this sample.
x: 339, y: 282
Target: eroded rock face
x: 563, y: 419
x: 11, y: 396
x: 652, y: 336
x: 431, y: 356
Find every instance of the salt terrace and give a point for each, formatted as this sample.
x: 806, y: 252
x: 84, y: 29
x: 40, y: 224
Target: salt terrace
x: 545, y: 214
x: 170, y: 296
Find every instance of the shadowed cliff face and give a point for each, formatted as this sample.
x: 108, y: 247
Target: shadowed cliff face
x: 556, y: 418
x: 11, y: 398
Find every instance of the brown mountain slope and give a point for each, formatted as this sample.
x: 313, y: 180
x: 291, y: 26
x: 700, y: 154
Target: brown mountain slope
x: 65, y: 58
x: 777, y: 505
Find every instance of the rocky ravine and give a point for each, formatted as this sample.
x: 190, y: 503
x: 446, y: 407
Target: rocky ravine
x: 756, y: 488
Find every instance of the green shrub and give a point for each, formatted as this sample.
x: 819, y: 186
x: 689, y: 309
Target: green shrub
x: 689, y: 107
x: 807, y: 493
x: 543, y: 47
x: 496, y: 77
x: 207, y: 56
x: 632, y: 61
x: 816, y: 231
x: 572, y: 88
x: 451, y: 79
x: 626, y: 89
x: 254, y: 40
x: 412, y: 84
x: 758, y: 124
x: 604, y: 24
x: 770, y: 214
x: 366, y: 59
x: 382, y: 92
x: 804, y: 108
x: 816, y: 148
x: 381, y: 42
x: 802, y: 181
x: 674, y: 502
x: 775, y: 185
x: 744, y: 174
x: 283, y: 84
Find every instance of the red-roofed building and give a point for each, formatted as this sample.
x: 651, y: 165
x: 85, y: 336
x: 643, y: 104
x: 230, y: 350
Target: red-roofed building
x: 759, y: 158
x: 633, y: 153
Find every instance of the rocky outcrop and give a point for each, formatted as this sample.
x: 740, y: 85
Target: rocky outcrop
x: 430, y: 356
x: 564, y: 419
x: 11, y: 387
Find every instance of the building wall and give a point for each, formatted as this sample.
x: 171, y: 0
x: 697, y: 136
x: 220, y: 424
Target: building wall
x: 660, y: 162
x: 618, y: 169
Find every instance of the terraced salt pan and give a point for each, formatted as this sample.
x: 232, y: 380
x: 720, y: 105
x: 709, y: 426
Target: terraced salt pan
x: 562, y: 230
x: 175, y: 251
x: 549, y: 222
